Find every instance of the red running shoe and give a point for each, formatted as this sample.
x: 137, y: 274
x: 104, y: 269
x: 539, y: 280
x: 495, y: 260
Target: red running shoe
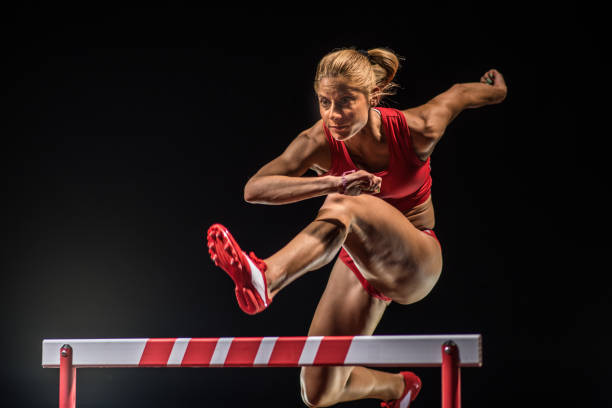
x: 247, y: 271
x: 413, y: 386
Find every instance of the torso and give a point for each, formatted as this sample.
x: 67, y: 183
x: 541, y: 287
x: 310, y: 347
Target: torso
x: 375, y: 158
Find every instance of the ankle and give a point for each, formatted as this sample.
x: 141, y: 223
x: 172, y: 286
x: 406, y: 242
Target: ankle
x: 274, y: 278
x: 400, y: 387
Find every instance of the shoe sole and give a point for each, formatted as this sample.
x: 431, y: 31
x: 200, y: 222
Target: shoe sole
x: 226, y: 254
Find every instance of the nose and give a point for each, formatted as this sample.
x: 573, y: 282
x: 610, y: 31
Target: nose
x: 334, y: 111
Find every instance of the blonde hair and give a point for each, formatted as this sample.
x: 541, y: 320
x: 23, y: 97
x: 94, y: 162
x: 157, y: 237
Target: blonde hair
x: 363, y: 69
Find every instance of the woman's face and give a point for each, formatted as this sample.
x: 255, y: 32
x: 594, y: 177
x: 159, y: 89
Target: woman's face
x: 344, y: 109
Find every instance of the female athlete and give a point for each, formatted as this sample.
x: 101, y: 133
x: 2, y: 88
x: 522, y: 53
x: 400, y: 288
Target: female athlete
x: 373, y: 164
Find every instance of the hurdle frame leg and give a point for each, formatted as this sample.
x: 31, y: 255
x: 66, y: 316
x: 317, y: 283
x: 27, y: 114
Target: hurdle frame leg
x: 67, y: 379
x: 451, y: 376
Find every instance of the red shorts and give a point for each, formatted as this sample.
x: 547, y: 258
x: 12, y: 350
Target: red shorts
x: 372, y: 291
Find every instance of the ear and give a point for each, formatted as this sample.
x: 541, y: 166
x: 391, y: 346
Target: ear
x: 374, y: 96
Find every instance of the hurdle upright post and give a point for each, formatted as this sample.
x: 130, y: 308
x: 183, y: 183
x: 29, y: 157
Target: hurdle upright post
x: 67, y: 379
x: 451, y: 376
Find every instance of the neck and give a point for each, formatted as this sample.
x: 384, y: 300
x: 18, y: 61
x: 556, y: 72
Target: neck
x: 369, y: 135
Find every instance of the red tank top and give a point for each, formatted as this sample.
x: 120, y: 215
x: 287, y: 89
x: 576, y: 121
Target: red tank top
x: 406, y: 182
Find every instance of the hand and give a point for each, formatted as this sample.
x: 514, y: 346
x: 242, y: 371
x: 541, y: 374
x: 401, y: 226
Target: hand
x: 357, y: 182
x: 494, y: 78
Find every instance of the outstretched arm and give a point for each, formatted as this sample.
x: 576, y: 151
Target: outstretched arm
x: 428, y: 122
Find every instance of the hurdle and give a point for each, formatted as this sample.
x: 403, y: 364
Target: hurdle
x: 450, y: 352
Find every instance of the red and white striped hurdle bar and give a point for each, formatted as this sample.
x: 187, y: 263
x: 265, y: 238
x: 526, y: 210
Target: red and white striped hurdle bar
x: 447, y: 351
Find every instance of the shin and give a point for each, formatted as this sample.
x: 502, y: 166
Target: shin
x: 314, y: 247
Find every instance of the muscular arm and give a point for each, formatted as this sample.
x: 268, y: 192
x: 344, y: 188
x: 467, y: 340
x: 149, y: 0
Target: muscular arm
x: 279, y: 181
x: 429, y: 121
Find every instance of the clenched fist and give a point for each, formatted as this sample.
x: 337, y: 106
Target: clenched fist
x: 359, y: 182
x: 494, y: 78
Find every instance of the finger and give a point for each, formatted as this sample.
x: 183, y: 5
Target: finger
x: 354, y: 188
x: 378, y: 185
x: 499, y: 78
x: 375, y: 187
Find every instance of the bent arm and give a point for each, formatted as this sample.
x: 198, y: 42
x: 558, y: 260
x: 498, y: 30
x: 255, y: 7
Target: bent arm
x: 280, y: 181
x: 429, y: 121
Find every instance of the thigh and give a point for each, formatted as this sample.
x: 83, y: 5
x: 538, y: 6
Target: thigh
x: 345, y: 309
x: 398, y: 259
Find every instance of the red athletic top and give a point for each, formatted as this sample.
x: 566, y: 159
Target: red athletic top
x: 406, y: 183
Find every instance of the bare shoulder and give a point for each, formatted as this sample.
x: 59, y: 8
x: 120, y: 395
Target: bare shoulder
x: 315, y: 134
x: 310, y: 141
x: 308, y: 150
x: 415, y: 118
x: 423, y: 139
x: 314, y: 137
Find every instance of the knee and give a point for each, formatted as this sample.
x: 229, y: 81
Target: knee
x: 337, y: 209
x: 318, y: 388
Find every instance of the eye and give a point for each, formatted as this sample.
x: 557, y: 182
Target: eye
x: 324, y: 102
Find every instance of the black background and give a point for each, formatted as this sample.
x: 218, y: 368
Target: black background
x: 127, y: 132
